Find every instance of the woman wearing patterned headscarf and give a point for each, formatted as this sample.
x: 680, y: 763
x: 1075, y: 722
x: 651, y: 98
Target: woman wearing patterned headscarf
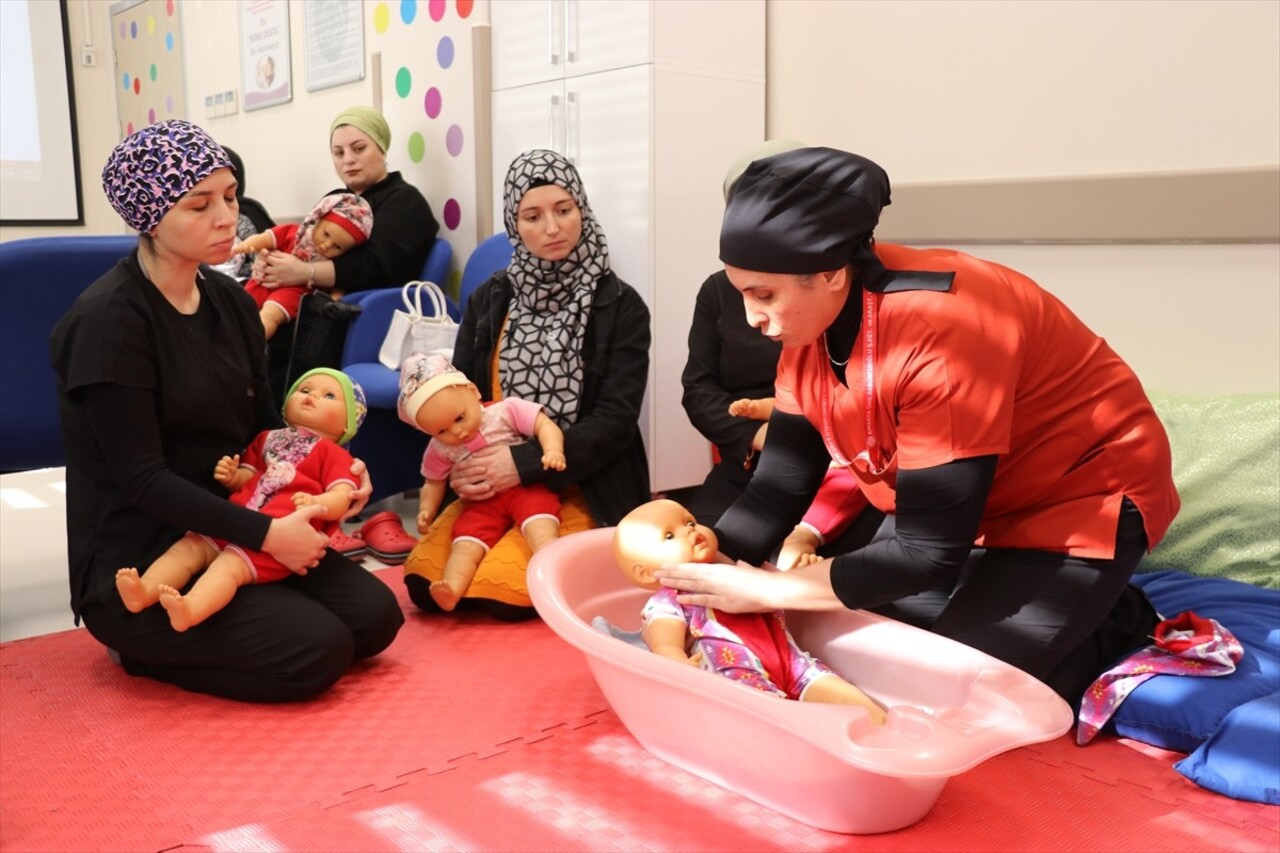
x: 559, y: 328
x: 161, y: 372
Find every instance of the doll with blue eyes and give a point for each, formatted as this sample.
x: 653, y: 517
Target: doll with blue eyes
x: 301, y: 464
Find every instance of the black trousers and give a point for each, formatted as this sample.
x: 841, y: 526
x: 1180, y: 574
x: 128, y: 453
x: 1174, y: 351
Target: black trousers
x: 1064, y: 620
x: 724, y: 484
x: 275, y: 642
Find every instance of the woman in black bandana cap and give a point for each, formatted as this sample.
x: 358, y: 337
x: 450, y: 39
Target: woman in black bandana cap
x: 1022, y: 467
x: 559, y: 328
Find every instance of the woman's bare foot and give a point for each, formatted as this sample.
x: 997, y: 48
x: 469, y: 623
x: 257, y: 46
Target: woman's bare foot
x: 176, y: 606
x: 132, y: 592
x: 445, y: 595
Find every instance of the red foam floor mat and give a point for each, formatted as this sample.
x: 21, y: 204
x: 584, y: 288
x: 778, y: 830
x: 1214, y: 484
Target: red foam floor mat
x: 469, y: 734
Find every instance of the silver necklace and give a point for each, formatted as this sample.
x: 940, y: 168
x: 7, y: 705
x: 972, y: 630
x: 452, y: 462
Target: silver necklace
x: 829, y: 356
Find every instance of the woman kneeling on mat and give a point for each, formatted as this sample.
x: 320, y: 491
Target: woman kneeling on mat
x: 1023, y: 469
x: 161, y: 368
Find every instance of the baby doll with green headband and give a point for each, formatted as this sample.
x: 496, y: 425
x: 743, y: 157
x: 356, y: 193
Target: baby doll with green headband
x: 282, y: 470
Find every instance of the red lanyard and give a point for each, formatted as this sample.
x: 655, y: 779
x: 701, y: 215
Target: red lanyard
x: 871, y: 456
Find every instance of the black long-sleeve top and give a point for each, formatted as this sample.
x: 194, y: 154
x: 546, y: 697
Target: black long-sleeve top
x: 404, y: 230
x: 149, y: 400
x: 728, y: 360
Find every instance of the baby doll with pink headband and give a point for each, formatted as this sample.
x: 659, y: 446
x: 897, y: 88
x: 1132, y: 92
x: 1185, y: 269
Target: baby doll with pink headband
x: 338, y: 223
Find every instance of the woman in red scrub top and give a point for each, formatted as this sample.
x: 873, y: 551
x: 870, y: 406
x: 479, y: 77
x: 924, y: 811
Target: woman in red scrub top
x: 1021, y: 465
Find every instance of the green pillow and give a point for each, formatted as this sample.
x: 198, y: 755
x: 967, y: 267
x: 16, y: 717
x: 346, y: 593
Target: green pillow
x: 1226, y: 464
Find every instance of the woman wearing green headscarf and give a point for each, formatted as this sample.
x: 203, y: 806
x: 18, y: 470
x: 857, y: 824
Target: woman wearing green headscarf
x: 404, y: 227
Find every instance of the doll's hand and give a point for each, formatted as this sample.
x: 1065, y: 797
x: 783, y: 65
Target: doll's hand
x: 424, y: 522
x: 303, y: 499
x: 800, y: 548
x: 695, y: 659
x: 225, y: 471
x: 553, y: 460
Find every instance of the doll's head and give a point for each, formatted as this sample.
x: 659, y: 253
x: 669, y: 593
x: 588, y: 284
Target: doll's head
x: 657, y: 534
x: 326, y: 401
x: 439, y: 399
x: 337, y: 224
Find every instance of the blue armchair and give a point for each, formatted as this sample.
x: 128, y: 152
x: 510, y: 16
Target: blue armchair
x: 493, y: 254
x: 39, y: 279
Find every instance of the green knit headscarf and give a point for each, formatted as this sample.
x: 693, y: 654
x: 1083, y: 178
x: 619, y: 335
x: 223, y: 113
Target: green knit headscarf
x: 368, y: 120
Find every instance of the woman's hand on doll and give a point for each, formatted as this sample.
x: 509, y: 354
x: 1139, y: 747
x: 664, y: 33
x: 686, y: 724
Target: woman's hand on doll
x: 225, y: 471
x: 553, y: 460
x: 484, y: 474
x: 280, y: 269
x: 294, y: 542
x: 360, y: 496
x: 732, y: 588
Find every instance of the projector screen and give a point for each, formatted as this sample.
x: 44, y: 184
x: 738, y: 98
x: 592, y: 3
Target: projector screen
x: 39, y: 158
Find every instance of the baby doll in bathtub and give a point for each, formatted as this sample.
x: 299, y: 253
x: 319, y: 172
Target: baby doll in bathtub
x: 754, y: 649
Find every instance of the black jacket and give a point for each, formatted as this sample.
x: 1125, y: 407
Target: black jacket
x: 604, y: 450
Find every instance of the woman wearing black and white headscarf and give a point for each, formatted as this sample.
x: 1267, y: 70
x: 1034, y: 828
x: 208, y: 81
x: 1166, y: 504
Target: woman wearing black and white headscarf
x: 559, y: 328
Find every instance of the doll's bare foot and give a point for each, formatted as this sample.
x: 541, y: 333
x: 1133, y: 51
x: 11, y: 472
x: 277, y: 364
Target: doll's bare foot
x: 176, y: 606
x: 132, y: 592
x: 446, y: 596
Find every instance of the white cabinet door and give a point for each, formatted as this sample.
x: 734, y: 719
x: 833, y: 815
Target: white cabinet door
x: 539, y: 40
x: 527, y: 41
x: 601, y: 35
x: 608, y: 129
x: 523, y: 118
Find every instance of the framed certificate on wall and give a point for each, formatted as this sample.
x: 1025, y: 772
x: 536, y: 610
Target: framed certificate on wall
x: 264, y: 53
x: 334, y: 42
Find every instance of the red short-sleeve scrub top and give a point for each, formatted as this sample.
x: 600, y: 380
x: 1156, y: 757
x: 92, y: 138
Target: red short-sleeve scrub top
x: 993, y: 365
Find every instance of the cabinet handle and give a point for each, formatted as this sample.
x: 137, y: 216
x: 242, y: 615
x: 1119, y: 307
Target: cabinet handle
x: 570, y: 127
x: 551, y: 123
x: 554, y: 33
x: 570, y: 30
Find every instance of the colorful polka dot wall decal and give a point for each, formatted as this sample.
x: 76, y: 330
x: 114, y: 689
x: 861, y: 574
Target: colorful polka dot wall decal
x: 168, y: 103
x: 133, y: 29
x: 137, y: 85
x: 151, y: 116
x: 168, y: 8
x: 151, y: 25
x: 168, y: 42
x: 152, y: 73
x: 128, y: 129
x: 381, y: 17
x: 404, y: 82
x: 435, y: 8
x: 417, y: 147
x: 453, y: 140
x: 444, y: 52
x: 452, y: 214
x: 432, y: 102
x: 126, y: 80
x: 122, y: 29
x: 465, y: 8
x: 408, y: 10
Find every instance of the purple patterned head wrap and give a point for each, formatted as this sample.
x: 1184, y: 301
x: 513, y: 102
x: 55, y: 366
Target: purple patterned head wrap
x: 152, y: 168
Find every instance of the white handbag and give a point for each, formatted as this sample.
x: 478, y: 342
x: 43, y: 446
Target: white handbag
x: 412, y: 332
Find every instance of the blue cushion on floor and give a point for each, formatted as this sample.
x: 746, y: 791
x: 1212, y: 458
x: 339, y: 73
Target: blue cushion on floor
x: 1242, y: 758
x: 1181, y: 712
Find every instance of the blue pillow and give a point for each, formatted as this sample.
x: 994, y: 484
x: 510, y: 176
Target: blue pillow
x: 1242, y: 758
x: 1181, y: 712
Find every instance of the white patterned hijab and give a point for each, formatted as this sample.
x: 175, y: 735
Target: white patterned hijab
x: 542, y: 358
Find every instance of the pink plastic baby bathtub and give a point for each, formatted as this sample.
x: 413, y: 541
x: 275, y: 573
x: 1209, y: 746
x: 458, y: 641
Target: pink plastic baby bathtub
x: 950, y: 706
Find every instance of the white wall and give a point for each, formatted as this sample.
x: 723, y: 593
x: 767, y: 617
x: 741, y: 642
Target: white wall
x: 953, y: 90
x: 932, y: 89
